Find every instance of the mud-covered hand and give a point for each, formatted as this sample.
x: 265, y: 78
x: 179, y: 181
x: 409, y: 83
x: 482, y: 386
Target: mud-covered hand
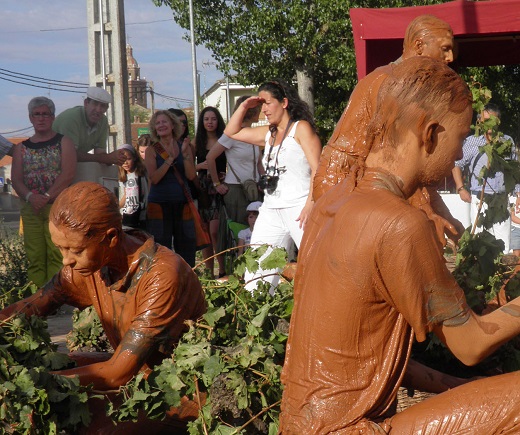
x: 305, y: 213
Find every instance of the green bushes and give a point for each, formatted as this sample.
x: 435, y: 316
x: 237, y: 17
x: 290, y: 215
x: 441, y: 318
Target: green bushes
x: 13, y: 264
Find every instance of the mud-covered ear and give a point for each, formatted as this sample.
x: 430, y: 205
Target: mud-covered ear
x: 429, y: 136
x: 112, y: 236
x: 418, y: 47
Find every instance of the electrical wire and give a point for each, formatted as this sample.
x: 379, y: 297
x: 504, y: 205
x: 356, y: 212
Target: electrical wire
x: 49, y: 84
x: 17, y: 131
x: 43, y: 87
x: 15, y: 74
x: 167, y: 97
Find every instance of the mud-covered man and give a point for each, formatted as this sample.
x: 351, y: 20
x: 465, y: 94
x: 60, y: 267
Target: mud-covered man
x: 383, y: 280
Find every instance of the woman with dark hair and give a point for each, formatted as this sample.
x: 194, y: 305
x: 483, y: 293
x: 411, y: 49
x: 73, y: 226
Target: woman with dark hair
x: 166, y: 161
x: 185, y: 136
x: 291, y: 155
x: 210, y: 127
x: 244, y: 162
x: 194, y: 184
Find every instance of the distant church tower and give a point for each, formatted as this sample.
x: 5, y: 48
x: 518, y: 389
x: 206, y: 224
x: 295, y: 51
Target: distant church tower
x: 136, y: 86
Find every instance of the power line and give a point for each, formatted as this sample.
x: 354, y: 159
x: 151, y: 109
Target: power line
x: 16, y: 131
x: 43, y: 87
x: 81, y: 27
x: 42, y: 78
x: 75, y: 85
x: 49, y: 84
x: 167, y: 97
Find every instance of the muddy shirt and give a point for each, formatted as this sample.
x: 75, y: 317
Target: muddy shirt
x: 371, y: 274
x: 159, y: 292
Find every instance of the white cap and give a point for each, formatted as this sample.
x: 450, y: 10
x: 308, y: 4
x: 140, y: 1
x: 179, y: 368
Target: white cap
x: 126, y: 146
x: 99, y: 94
x: 254, y: 206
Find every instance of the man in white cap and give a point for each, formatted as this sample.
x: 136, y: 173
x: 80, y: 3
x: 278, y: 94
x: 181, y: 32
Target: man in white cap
x: 87, y: 126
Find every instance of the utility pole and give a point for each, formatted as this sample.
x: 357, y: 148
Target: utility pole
x: 194, y: 67
x: 152, y: 98
x: 107, y: 64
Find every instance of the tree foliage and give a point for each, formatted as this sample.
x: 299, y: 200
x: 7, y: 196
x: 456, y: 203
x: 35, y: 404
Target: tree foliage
x: 262, y: 39
x: 504, y: 84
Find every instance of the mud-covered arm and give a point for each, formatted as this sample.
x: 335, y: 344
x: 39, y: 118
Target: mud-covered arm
x: 430, y: 202
x: 348, y: 141
x: 166, y: 296
x: 424, y: 378
x: 480, y: 336
x: 42, y: 303
x: 126, y: 362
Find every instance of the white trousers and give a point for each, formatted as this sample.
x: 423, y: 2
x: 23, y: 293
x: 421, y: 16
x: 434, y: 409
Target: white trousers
x: 501, y: 230
x: 279, y: 228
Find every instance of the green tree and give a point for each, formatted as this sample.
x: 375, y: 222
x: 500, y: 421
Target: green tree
x: 139, y: 112
x: 310, y: 42
x: 306, y: 41
x: 504, y: 84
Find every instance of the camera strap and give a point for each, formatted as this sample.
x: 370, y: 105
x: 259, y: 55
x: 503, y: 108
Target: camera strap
x: 273, y: 138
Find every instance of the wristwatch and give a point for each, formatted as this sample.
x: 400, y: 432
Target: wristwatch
x: 216, y: 184
x: 460, y: 188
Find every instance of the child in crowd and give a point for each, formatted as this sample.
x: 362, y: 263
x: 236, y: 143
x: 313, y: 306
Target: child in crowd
x: 133, y: 189
x: 244, y: 236
x: 143, y: 142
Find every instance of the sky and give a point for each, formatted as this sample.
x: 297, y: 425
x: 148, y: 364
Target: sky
x: 48, y: 39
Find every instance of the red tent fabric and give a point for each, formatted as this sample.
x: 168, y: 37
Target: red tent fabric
x: 486, y: 32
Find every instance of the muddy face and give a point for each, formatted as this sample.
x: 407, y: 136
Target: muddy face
x: 85, y: 256
x: 438, y: 45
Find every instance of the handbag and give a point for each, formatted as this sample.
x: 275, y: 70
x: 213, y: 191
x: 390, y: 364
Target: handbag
x: 249, y: 186
x: 202, y: 238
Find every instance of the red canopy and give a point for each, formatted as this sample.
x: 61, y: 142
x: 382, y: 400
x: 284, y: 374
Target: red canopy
x: 486, y: 32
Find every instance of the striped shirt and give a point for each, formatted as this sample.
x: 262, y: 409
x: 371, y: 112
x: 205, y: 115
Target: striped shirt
x: 475, y: 161
x: 5, y: 146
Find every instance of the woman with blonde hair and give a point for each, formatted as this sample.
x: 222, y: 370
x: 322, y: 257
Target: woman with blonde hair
x: 168, y: 165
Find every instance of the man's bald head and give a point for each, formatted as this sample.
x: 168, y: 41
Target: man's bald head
x: 430, y: 36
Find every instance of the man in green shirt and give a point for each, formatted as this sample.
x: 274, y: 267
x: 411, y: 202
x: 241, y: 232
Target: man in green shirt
x: 87, y: 126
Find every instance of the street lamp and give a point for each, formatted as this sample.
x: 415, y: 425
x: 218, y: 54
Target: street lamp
x: 194, y: 67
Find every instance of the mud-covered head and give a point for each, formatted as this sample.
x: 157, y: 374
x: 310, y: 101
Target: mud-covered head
x: 422, y: 101
x: 418, y: 90
x: 87, y: 208
x: 427, y: 35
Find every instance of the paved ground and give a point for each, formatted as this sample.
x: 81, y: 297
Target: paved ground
x: 59, y: 326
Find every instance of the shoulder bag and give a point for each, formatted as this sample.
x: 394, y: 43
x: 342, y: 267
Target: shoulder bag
x: 249, y: 186
x: 202, y: 237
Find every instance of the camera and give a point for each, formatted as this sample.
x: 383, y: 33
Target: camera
x: 268, y: 183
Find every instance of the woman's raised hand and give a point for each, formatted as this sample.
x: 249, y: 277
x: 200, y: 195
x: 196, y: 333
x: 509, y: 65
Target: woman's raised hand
x: 186, y: 148
x: 252, y: 102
